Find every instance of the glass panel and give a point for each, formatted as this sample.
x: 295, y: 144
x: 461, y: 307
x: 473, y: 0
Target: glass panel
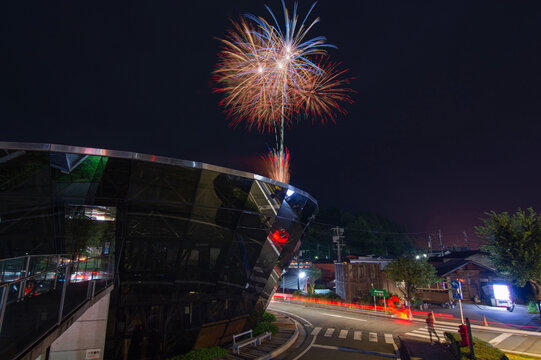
x: 27, y: 174
x: 89, y: 230
x: 76, y: 176
x: 77, y: 287
x: 26, y: 321
x: 114, y: 181
x: 162, y: 183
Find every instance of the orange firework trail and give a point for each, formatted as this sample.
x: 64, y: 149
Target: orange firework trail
x: 269, y: 75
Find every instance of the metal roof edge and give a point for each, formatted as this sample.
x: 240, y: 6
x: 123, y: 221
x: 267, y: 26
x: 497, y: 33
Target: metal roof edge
x: 144, y: 157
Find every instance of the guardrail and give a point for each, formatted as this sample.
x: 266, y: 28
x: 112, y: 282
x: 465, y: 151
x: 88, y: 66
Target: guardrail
x: 38, y: 292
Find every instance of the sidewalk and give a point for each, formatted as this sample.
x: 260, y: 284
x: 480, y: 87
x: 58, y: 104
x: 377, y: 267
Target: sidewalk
x: 417, y: 350
x: 269, y: 349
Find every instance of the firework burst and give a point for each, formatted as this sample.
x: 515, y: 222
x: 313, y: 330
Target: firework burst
x: 270, y: 74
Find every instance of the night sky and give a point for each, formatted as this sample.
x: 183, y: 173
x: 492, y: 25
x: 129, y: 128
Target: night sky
x: 445, y: 124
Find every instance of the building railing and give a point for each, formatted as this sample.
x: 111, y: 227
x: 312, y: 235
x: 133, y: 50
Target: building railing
x: 38, y: 292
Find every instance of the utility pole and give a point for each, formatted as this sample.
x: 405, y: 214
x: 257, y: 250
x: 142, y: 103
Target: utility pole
x: 466, y: 239
x: 430, y: 244
x: 298, y: 272
x: 338, y: 239
x: 441, y: 242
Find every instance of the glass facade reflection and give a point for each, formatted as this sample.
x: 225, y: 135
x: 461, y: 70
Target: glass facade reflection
x: 199, y: 249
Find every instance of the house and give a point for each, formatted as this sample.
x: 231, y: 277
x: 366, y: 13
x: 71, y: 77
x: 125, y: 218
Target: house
x: 355, y: 278
x: 472, y: 268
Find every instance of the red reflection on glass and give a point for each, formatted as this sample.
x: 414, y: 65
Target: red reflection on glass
x: 280, y: 236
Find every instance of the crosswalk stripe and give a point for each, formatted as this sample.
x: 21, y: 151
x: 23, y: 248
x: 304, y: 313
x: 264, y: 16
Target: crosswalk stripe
x: 446, y: 329
x: 425, y: 331
x: 498, y: 339
x: 343, y: 334
x: 357, y: 335
x: 418, y: 335
x: 373, y: 337
x: 316, y: 331
x: 329, y: 332
x: 389, y: 338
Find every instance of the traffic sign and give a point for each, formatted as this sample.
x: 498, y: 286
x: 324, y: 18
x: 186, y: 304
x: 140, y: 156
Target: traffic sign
x: 378, y: 292
x: 455, y: 284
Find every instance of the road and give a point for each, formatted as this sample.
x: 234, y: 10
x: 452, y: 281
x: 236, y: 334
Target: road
x: 331, y: 331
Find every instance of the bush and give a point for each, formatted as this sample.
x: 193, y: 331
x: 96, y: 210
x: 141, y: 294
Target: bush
x: 264, y: 326
x: 268, y: 317
x: 330, y: 295
x: 481, y: 349
x: 202, y: 354
x: 532, y: 307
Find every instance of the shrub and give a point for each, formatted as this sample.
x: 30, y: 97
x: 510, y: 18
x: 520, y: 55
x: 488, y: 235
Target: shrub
x: 532, y: 307
x: 481, y: 349
x: 202, y: 354
x: 330, y: 295
x: 264, y: 326
x: 268, y: 317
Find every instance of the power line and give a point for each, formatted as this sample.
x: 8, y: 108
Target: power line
x: 388, y: 232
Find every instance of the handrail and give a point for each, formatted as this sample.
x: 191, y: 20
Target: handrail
x: 25, y: 256
x: 47, y: 270
x: 24, y: 262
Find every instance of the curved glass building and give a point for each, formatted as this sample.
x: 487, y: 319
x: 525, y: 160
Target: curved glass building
x: 199, y: 249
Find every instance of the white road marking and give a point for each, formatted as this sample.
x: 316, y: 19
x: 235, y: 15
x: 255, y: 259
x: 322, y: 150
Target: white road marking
x: 295, y: 315
x: 389, y: 339
x: 329, y: 332
x: 418, y: 335
x: 306, y: 350
x: 316, y: 331
x: 373, y: 337
x: 357, y: 335
x: 345, y: 317
x: 343, y: 334
x: 498, y: 339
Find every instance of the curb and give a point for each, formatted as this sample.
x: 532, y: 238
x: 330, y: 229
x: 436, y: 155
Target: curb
x: 284, y: 347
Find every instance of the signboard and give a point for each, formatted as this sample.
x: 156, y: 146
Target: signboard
x: 378, y: 292
x: 457, y: 289
x: 93, y: 354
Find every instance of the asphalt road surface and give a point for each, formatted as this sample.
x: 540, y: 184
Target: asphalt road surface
x: 334, y: 332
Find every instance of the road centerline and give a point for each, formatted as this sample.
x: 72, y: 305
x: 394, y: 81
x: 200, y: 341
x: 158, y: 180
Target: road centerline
x: 344, y: 317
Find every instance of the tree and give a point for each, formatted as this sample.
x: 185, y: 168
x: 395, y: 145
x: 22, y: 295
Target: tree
x: 313, y: 275
x: 413, y: 273
x: 514, y: 244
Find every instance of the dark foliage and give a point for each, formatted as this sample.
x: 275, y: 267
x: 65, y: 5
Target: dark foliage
x: 365, y: 233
